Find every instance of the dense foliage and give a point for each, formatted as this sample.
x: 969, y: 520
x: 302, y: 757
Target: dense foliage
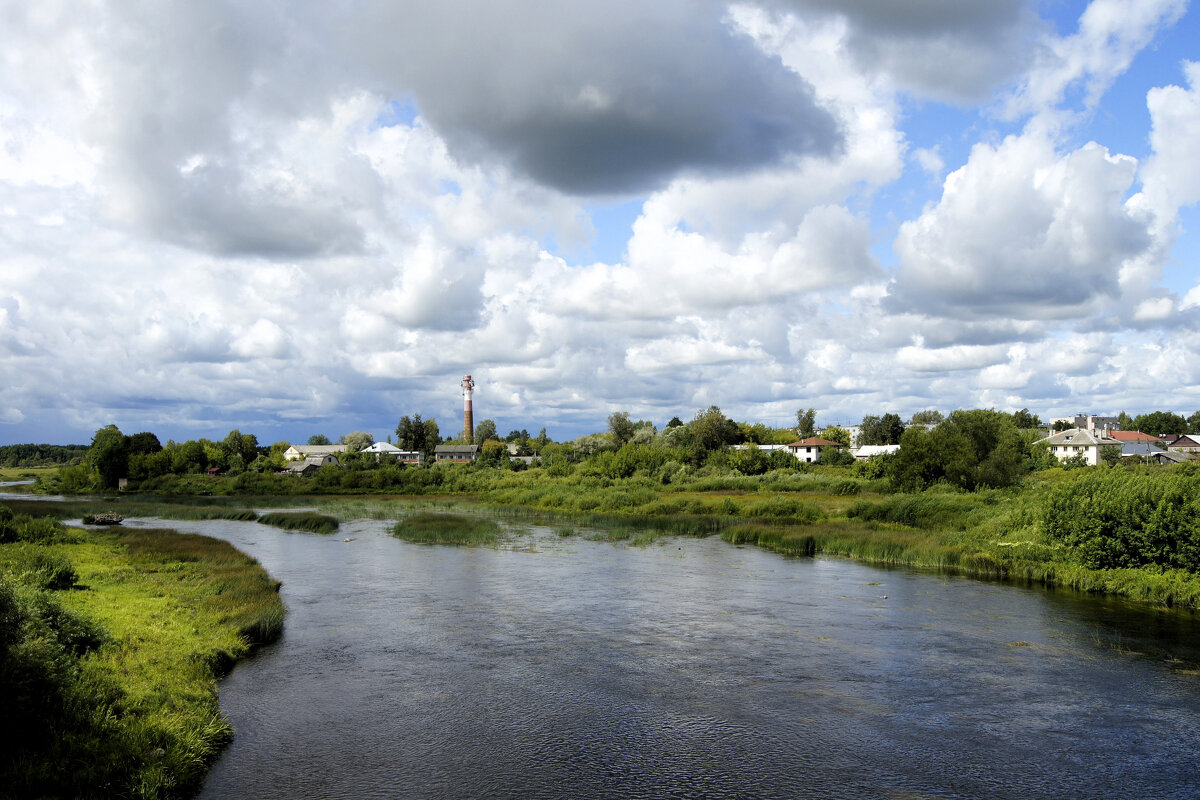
x: 1116, y: 518
x: 40, y: 455
x: 970, y: 449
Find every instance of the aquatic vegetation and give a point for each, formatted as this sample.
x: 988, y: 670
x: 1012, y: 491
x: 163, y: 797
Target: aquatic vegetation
x: 434, y: 528
x: 300, y: 521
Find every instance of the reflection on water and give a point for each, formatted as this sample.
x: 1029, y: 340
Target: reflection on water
x: 692, y: 669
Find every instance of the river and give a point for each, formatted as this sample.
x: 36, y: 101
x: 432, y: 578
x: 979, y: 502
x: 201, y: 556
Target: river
x: 566, y: 668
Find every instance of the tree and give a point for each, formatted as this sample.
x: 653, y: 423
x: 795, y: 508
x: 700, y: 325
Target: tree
x: 540, y: 442
x: 189, y: 457
x: 1194, y: 423
x: 144, y: 443
x: 930, y: 416
x: 486, y: 429
x: 1063, y: 425
x: 806, y: 422
x: 1110, y: 454
x: 750, y: 460
x: 880, y: 430
x: 109, y: 456
x: 1125, y: 422
x: 675, y: 422
x: 836, y: 456
x: 620, y: 427
x: 242, y: 445
x: 971, y: 449
x: 1161, y: 423
x: 357, y: 441
x: 494, y: 453
x: 433, y: 437
x: 318, y: 438
x: 417, y: 434
x: 836, y: 434
x: 1024, y: 419
x: 710, y: 430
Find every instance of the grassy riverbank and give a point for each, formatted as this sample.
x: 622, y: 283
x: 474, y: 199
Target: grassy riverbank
x: 111, y: 666
x: 1020, y: 533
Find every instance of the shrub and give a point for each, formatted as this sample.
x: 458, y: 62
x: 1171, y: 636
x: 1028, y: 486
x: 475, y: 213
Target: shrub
x: 46, y: 570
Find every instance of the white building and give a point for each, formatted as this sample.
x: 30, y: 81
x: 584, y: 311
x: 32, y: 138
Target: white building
x: 299, y: 451
x: 1067, y: 444
x: 809, y: 450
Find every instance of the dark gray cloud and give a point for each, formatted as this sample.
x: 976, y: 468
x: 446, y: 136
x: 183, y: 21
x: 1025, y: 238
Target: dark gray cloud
x: 597, y: 98
x: 959, y: 50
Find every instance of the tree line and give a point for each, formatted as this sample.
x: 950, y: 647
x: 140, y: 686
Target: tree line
x: 40, y: 455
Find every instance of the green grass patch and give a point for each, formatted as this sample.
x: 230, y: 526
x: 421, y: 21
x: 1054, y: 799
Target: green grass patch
x: 433, y: 528
x: 110, y: 687
x: 300, y: 521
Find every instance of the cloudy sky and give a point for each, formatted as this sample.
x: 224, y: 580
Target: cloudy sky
x: 301, y: 217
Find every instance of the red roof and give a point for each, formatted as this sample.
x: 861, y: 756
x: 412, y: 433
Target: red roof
x: 1133, y: 436
x: 815, y: 441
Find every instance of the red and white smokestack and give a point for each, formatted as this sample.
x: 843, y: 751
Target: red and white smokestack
x: 468, y: 386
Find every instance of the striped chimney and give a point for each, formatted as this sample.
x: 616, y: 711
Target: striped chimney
x: 468, y: 386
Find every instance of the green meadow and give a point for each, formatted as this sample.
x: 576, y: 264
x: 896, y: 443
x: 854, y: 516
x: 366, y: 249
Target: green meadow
x: 112, y: 644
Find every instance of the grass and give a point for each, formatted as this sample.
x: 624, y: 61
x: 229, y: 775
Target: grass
x: 24, y: 473
x: 988, y: 534
x: 300, y: 521
x: 434, y: 528
x: 176, y: 612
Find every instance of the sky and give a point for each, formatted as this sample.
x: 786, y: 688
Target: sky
x: 308, y: 217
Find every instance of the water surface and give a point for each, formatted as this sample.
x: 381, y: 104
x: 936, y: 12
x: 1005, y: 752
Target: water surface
x: 692, y: 668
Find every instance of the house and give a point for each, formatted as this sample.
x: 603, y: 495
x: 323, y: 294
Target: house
x: 461, y: 453
x: 382, y: 448
x: 1067, y: 444
x: 387, y: 449
x: 869, y: 451
x: 1182, y: 444
x: 1139, y: 447
x: 311, y: 464
x: 299, y: 451
x: 1171, y: 457
x: 809, y: 450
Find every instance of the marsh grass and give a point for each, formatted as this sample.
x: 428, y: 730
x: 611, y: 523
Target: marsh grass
x: 300, y: 521
x: 437, y: 528
x: 135, y: 714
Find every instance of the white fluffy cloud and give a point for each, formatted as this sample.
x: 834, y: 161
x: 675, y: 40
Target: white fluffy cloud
x: 1111, y: 33
x: 1024, y: 231
x: 290, y: 219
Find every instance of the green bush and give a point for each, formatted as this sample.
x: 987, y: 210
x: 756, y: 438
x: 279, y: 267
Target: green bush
x: 1116, y: 518
x: 784, y: 508
x: 46, y: 570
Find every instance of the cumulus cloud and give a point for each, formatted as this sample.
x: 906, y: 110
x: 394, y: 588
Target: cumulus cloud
x: 1023, y: 231
x: 1110, y: 34
x: 1172, y: 174
x: 272, y: 218
x: 595, y: 98
x: 987, y: 41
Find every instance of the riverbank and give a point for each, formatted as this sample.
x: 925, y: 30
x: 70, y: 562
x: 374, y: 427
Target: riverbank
x: 117, y: 638
x: 997, y: 534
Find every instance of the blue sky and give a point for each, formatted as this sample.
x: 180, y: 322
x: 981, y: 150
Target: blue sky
x: 217, y: 216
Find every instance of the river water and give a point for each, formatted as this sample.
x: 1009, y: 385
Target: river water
x: 565, y: 668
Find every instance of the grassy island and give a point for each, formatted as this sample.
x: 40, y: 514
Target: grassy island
x: 111, y: 643
x: 435, y: 528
